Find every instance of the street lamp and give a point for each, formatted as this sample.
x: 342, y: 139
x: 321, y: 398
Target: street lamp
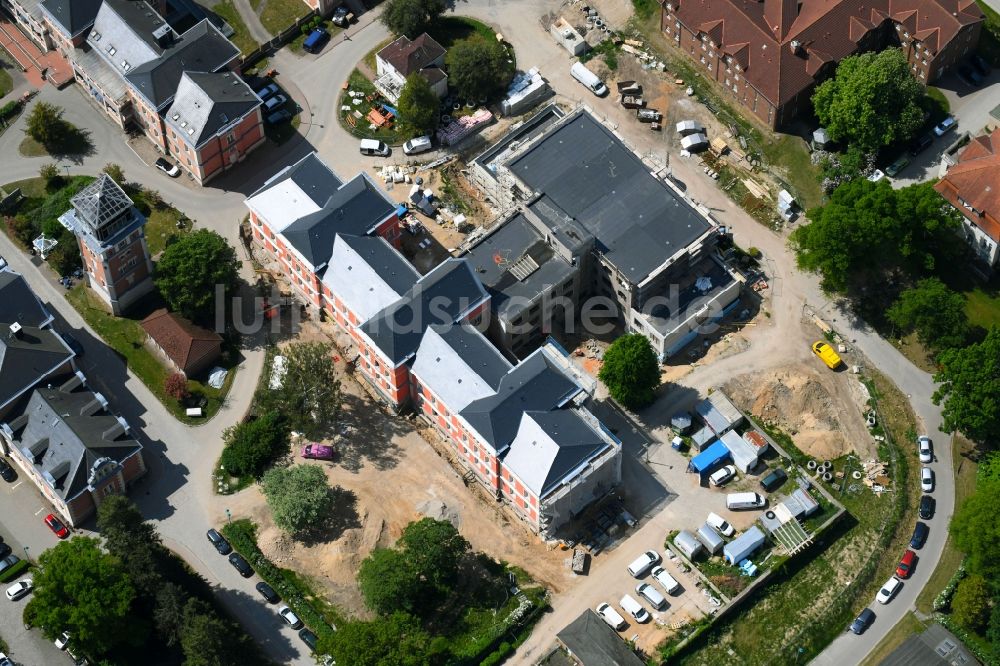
x: 229, y: 516
x: 26, y: 552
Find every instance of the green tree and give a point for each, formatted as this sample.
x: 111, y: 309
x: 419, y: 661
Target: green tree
x: 299, y: 497
x: 133, y: 542
x: 436, y: 549
x: 631, y: 371
x: 971, y: 604
x: 81, y: 589
x: 872, y: 101
x: 976, y: 532
x: 477, y: 68
x: 190, y: 270
x: 208, y: 640
x: 65, y: 257
x: 116, y: 173
x: 46, y: 125
x: 309, y: 396
x: 934, y: 311
x: 411, y: 17
x: 168, y: 613
x: 50, y: 174
x: 176, y: 386
x: 396, y: 640
x: 389, y: 582
x: 253, y: 445
x: 969, y: 388
x: 418, y: 106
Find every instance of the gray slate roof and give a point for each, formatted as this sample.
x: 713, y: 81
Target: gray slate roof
x: 20, y: 303
x: 27, y: 359
x: 935, y: 646
x: 123, y: 33
x: 535, y: 384
x: 442, y: 296
x: 594, y: 643
x: 591, y: 179
x: 356, y: 208
x: 66, y: 433
x: 74, y: 16
x: 201, y: 49
x: 207, y: 103
x: 314, y: 178
x: 543, y: 454
x: 494, y: 255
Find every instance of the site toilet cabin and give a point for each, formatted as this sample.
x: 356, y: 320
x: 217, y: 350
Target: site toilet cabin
x: 686, y: 127
x: 694, y: 142
x: 713, y: 542
x: 743, y: 546
x: 688, y: 544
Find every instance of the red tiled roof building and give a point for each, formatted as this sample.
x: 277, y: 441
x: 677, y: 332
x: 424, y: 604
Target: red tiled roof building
x: 769, y: 55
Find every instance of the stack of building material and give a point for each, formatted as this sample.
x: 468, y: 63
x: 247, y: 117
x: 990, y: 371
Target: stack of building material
x: 463, y: 127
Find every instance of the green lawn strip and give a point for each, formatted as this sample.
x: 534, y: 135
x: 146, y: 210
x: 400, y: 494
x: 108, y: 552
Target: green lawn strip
x: 905, y: 628
x: 787, y: 156
x: 6, y: 82
x: 295, y: 590
x: 449, y: 30
x: 951, y: 557
x: 369, y: 59
x: 15, y: 571
x: 241, y: 38
x: 983, y: 306
x: 280, y: 14
x: 296, y: 44
x: 814, y: 595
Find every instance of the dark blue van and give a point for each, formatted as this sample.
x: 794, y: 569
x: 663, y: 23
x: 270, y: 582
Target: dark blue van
x: 315, y: 41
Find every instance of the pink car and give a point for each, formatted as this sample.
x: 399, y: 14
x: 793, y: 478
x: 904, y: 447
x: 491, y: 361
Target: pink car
x: 317, y: 452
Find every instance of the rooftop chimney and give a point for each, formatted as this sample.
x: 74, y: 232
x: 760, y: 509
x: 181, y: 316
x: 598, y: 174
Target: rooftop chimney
x: 15, y: 330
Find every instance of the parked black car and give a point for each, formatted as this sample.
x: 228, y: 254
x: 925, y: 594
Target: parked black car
x: 920, y: 144
x: 241, y: 565
x: 219, y: 542
x: 919, y: 537
x: 309, y: 638
x: 927, y: 505
x: 268, y: 593
x: 862, y: 621
x: 773, y: 481
x: 7, y: 472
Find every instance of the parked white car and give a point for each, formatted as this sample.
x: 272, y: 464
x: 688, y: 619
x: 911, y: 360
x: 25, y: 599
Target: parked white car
x: 62, y: 641
x: 665, y: 580
x: 634, y: 608
x: 888, y: 590
x: 652, y: 595
x: 722, y: 475
x: 289, y: 616
x: 927, y: 479
x: 642, y: 564
x: 924, y: 447
x: 720, y: 524
x: 19, y: 589
x: 612, y: 617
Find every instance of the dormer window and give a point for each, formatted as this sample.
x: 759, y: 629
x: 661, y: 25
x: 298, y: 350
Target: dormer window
x: 175, y: 116
x: 125, y: 65
x: 96, y: 36
x: 184, y: 123
x: 111, y: 49
x: 906, y: 35
x: 190, y: 131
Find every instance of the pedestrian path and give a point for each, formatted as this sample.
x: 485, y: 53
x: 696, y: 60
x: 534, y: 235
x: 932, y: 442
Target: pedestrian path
x: 37, y: 66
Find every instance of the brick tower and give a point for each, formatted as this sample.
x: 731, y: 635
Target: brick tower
x: 112, y: 241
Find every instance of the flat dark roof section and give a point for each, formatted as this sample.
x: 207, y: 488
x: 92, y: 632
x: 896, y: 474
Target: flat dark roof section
x: 587, y: 172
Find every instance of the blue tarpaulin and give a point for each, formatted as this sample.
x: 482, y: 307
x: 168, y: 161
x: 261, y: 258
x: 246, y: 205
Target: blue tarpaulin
x: 709, y: 458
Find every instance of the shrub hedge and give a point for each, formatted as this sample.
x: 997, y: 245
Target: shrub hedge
x: 14, y: 571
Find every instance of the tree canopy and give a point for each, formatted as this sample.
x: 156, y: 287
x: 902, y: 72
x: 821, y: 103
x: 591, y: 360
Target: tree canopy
x: 867, y: 229
x: 396, y: 640
x: 81, y: 589
x: 631, y: 371
x: 969, y: 389
x: 971, y: 604
x: 934, y: 311
x: 389, y: 582
x: 252, y: 446
x: 436, y: 549
x: 309, y: 396
x: 191, y: 268
x: 477, y: 68
x: 299, y: 497
x: 46, y: 125
x: 411, y: 17
x: 872, y: 101
x: 418, y: 106
x: 976, y: 531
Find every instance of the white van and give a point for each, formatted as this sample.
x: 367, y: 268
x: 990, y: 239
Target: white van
x: 612, y: 617
x: 580, y: 72
x: 634, y: 608
x: 668, y: 582
x: 642, y: 563
x: 720, y: 524
x: 421, y: 144
x: 736, y: 501
x: 374, y: 147
x: 652, y: 595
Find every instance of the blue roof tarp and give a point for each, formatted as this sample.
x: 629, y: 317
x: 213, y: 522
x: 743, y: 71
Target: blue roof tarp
x: 709, y: 458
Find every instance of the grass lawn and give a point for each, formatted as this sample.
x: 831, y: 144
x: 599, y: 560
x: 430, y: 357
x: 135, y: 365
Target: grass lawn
x: 279, y: 14
x: 910, y: 347
x: 244, y: 42
x: 905, y: 628
x: 6, y: 82
x: 965, y: 485
x: 982, y: 304
x: 31, y: 148
x: 359, y: 82
x: 449, y: 30
x: 162, y: 226
x: 818, y: 592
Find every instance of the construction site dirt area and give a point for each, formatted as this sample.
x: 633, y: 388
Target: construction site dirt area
x: 822, y: 411
x: 385, y: 475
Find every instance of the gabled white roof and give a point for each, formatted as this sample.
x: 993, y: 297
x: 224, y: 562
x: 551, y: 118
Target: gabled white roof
x: 282, y: 203
x: 363, y: 288
x: 448, y: 374
x: 531, y: 454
